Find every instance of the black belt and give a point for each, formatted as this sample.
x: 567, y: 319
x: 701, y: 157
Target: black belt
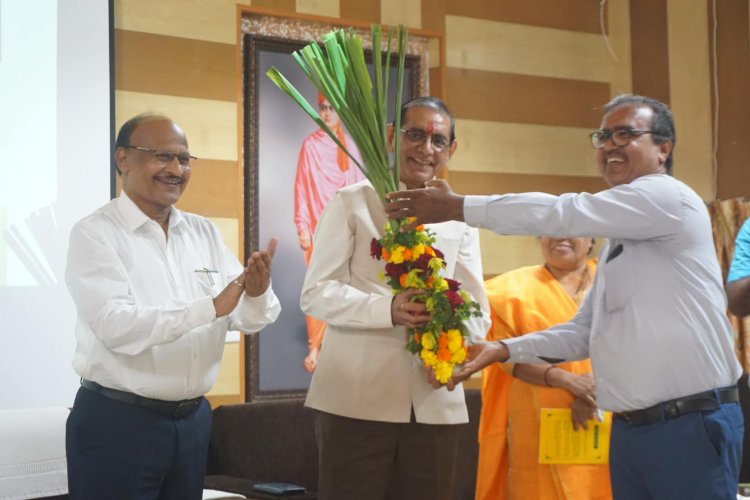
x: 703, y: 401
x: 174, y: 409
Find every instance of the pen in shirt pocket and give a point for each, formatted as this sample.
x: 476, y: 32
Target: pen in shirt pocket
x: 208, y: 272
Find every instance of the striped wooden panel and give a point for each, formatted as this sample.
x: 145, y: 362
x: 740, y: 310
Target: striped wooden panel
x: 329, y: 8
x: 690, y: 92
x: 361, y: 10
x: 433, y: 15
x: 523, y: 149
x: 406, y: 12
x: 159, y: 64
x: 489, y: 183
x: 281, y: 5
x: 734, y: 102
x: 572, y: 15
x: 650, y: 50
x: 213, y: 190
x: 230, y: 231
x: 210, y: 126
x: 213, y: 21
x: 529, y: 50
x: 493, y: 96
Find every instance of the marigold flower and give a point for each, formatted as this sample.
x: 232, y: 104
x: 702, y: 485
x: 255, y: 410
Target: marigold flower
x: 397, y: 254
x: 428, y: 341
x: 443, y: 371
x: 385, y: 253
x: 402, y: 280
x: 459, y: 356
x: 455, y: 340
x: 443, y: 354
x: 428, y: 357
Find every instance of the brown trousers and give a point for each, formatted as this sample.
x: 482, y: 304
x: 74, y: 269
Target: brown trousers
x: 369, y: 460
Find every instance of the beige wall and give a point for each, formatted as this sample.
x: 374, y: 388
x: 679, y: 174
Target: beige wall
x: 525, y: 79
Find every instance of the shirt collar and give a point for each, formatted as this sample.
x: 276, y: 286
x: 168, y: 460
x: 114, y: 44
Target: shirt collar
x: 135, y: 218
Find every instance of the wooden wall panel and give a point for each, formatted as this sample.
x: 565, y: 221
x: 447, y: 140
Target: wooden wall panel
x: 507, y: 97
x: 210, y: 126
x: 570, y: 15
x: 361, y: 10
x: 690, y: 93
x: 733, y: 51
x: 406, y: 12
x: 523, y: 149
x: 213, y: 20
x: 329, y: 8
x: 650, y: 48
x: 159, y: 64
x: 529, y: 50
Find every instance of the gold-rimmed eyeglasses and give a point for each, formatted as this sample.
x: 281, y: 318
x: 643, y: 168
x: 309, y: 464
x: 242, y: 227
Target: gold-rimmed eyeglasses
x: 165, y: 158
x: 418, y: 136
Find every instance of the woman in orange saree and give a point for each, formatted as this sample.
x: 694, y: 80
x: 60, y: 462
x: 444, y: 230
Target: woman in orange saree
x: 522, y: 301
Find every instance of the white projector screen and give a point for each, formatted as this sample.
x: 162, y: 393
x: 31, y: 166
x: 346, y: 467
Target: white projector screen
x: 55, y: 141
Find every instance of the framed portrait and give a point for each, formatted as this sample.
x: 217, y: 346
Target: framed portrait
x: 274, y: 130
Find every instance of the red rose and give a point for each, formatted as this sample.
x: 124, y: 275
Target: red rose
x: 395, y: 270
x: 453, y: 285
x: 376, y: 249
x: 454, y: 298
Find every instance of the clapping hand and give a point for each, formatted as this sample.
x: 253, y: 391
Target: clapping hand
x: 258, y: 270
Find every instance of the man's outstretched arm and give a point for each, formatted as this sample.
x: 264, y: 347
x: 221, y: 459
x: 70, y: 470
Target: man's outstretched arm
x: 435, y: 203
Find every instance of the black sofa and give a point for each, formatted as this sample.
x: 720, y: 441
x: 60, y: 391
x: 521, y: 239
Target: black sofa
x: 274, y: 441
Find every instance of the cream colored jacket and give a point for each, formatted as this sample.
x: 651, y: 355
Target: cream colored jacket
x: 363, y: 369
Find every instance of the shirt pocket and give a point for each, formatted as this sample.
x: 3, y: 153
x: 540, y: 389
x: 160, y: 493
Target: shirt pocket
x: 619, y: 282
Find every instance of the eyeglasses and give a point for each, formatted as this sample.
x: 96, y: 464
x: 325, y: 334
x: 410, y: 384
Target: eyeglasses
x: 165, y: 158
x: 620, y: 136
x: 418, y: 136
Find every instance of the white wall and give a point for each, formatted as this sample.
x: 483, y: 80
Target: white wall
x: 54, y: 169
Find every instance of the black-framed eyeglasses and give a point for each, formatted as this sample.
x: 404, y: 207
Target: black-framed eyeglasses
x: 418, y: 136
x: 165, y: 158
x: 620, y: 136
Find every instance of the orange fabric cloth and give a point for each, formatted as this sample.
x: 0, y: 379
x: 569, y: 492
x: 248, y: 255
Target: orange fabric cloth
x: 522, y: 301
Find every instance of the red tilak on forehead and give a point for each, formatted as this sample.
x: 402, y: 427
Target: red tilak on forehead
x: 430, y: 127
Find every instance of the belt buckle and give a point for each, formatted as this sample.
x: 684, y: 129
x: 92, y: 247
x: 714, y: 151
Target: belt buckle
x: 185, y: 408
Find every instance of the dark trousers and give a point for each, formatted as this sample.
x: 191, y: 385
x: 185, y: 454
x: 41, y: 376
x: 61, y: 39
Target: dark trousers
x: 119, y: 451
x: 368, y: 460
x: 696, y: 455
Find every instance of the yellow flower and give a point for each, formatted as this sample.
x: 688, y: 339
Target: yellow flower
x: 428, y: 341
x: 417, y: 251
x: 440, y: 285
x: 428, y: 357
x: 459, y: 356
x: 455, y: 340
x: 443, y: 371
x: 397, y: 254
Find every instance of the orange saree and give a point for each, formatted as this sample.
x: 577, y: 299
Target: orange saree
x: 522, y: 301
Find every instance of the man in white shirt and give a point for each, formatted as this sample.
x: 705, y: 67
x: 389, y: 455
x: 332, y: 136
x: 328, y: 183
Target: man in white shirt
x: 379, y: 424
x: 156, y: 290
x: 654, y: 322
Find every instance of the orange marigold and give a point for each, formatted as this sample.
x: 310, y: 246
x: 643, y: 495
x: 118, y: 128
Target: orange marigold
x: 385, y: 254
x: 402, y: 280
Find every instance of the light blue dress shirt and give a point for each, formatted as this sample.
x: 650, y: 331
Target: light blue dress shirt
x: 740, y: 267
x: 654, y: 322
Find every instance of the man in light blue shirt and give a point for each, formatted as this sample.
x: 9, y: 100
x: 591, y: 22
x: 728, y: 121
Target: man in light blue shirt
x: 654, y: 322
x: 738, y: 280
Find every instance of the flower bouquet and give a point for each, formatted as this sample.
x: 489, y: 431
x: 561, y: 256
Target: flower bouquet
x: 341, y: 74
x: 412, y: 262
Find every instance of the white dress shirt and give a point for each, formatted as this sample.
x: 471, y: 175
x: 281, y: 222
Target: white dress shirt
x: 364, y: 370
x: 146, y: 319
x: 654, y: 322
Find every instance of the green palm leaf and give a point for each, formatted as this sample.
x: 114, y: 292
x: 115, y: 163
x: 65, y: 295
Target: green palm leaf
x: 339, y: 71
